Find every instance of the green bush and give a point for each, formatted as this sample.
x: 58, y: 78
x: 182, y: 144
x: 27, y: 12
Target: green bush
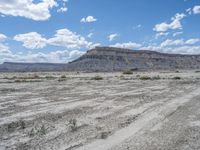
x: 49, y: 77
x: 40, y: 131
x: 145, y: 78
x: 73, y: 125
x: 128, y: 72
x: 177, y: 78
x: 156, y: 78
x: 97, y: 78
x: 63, y: 77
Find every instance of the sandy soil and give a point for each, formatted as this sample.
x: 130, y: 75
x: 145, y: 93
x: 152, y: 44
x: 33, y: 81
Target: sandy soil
x: 69, y: 111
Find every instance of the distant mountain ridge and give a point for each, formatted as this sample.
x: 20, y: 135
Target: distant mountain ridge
x: 113, y: 59
x: 31, y: 67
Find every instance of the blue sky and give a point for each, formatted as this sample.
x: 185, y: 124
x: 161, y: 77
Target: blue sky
x: 62, y: 30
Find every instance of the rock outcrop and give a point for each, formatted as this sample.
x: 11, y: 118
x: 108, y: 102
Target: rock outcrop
x: 116, y: 59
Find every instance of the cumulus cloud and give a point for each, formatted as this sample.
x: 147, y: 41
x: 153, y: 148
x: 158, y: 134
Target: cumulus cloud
x: 175, y: 24
x: 184, y: 49
x: 112, y: 37
x: 169, y: 42
x: 62, y: 9
x: 137, y: 27
x: 62, y: 56
x: 196, y: 9
x: 192, y: 41
x: 62, y: 38
x: 69, y: 39
x: 88, y: 19
x: 177, y: 33
x: 178, y: 42
x: 189, y: 11
x: 161, y: 34
x: 4, y: 49
x: 31, y: 40
x: 129, y: 45
x: 90, y: 35
x: 2, y: 37
x: 27, y: 8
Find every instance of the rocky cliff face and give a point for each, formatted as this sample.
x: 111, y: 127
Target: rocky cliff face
x: 114, y: 59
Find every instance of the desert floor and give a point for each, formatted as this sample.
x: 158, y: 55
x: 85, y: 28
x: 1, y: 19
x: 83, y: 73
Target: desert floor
x: 100, y: 111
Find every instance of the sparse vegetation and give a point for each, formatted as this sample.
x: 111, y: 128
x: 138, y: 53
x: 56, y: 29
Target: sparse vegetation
x: 97, y: 78
x: 26, y: 80
x: 156, y: 78
x: 134, y: 69
x: 16, y: 125
x: 176, y: 78
x: 49, y: 77
x: 40, y: 131
x: 104, y: 135
x: 8, y: 90
x: 73, y: 125
x: 32, y: 132
x: 85, y: 108
x: 128, y: 72
x: 137, y: 75
x: 145, y: 78
x: 35, y: 76
x: 63, y: 77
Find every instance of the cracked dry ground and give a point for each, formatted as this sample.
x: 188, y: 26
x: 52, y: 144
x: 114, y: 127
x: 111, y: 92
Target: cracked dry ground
x: 116, y: 113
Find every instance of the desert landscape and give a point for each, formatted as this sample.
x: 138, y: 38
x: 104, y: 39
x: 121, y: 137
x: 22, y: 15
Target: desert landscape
x: 99, y: 75
x: 100, y: 111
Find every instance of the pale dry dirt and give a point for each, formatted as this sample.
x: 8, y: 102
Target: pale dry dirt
x: 44, y: 111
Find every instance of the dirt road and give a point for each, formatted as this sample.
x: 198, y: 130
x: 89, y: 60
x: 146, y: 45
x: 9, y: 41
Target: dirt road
x: 117, y: 112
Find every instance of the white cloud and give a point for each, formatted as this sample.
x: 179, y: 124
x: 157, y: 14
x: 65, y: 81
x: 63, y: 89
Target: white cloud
x: 2, y: 37
x: 172, y: 42
x: 161, y: 34
x: 182, y: 49
x: 4, y: 49
x: 129, y: 45
x: 62, y: 38
x: 31, y: 40
x: 88, y: 19
x: 177, y: 33
x: 179, y: 42
x: 112, y: 37
x: 196, y: 9
x: 27, y: 8
x: 90, y: 35
x: 137, y: 27
x: 189, y: 11
x: 175, y: 24
x: 69, y: 39
x: 62, y: 56
x: 62, y: 9
x: 192, y: 41
x: 75, y: 54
